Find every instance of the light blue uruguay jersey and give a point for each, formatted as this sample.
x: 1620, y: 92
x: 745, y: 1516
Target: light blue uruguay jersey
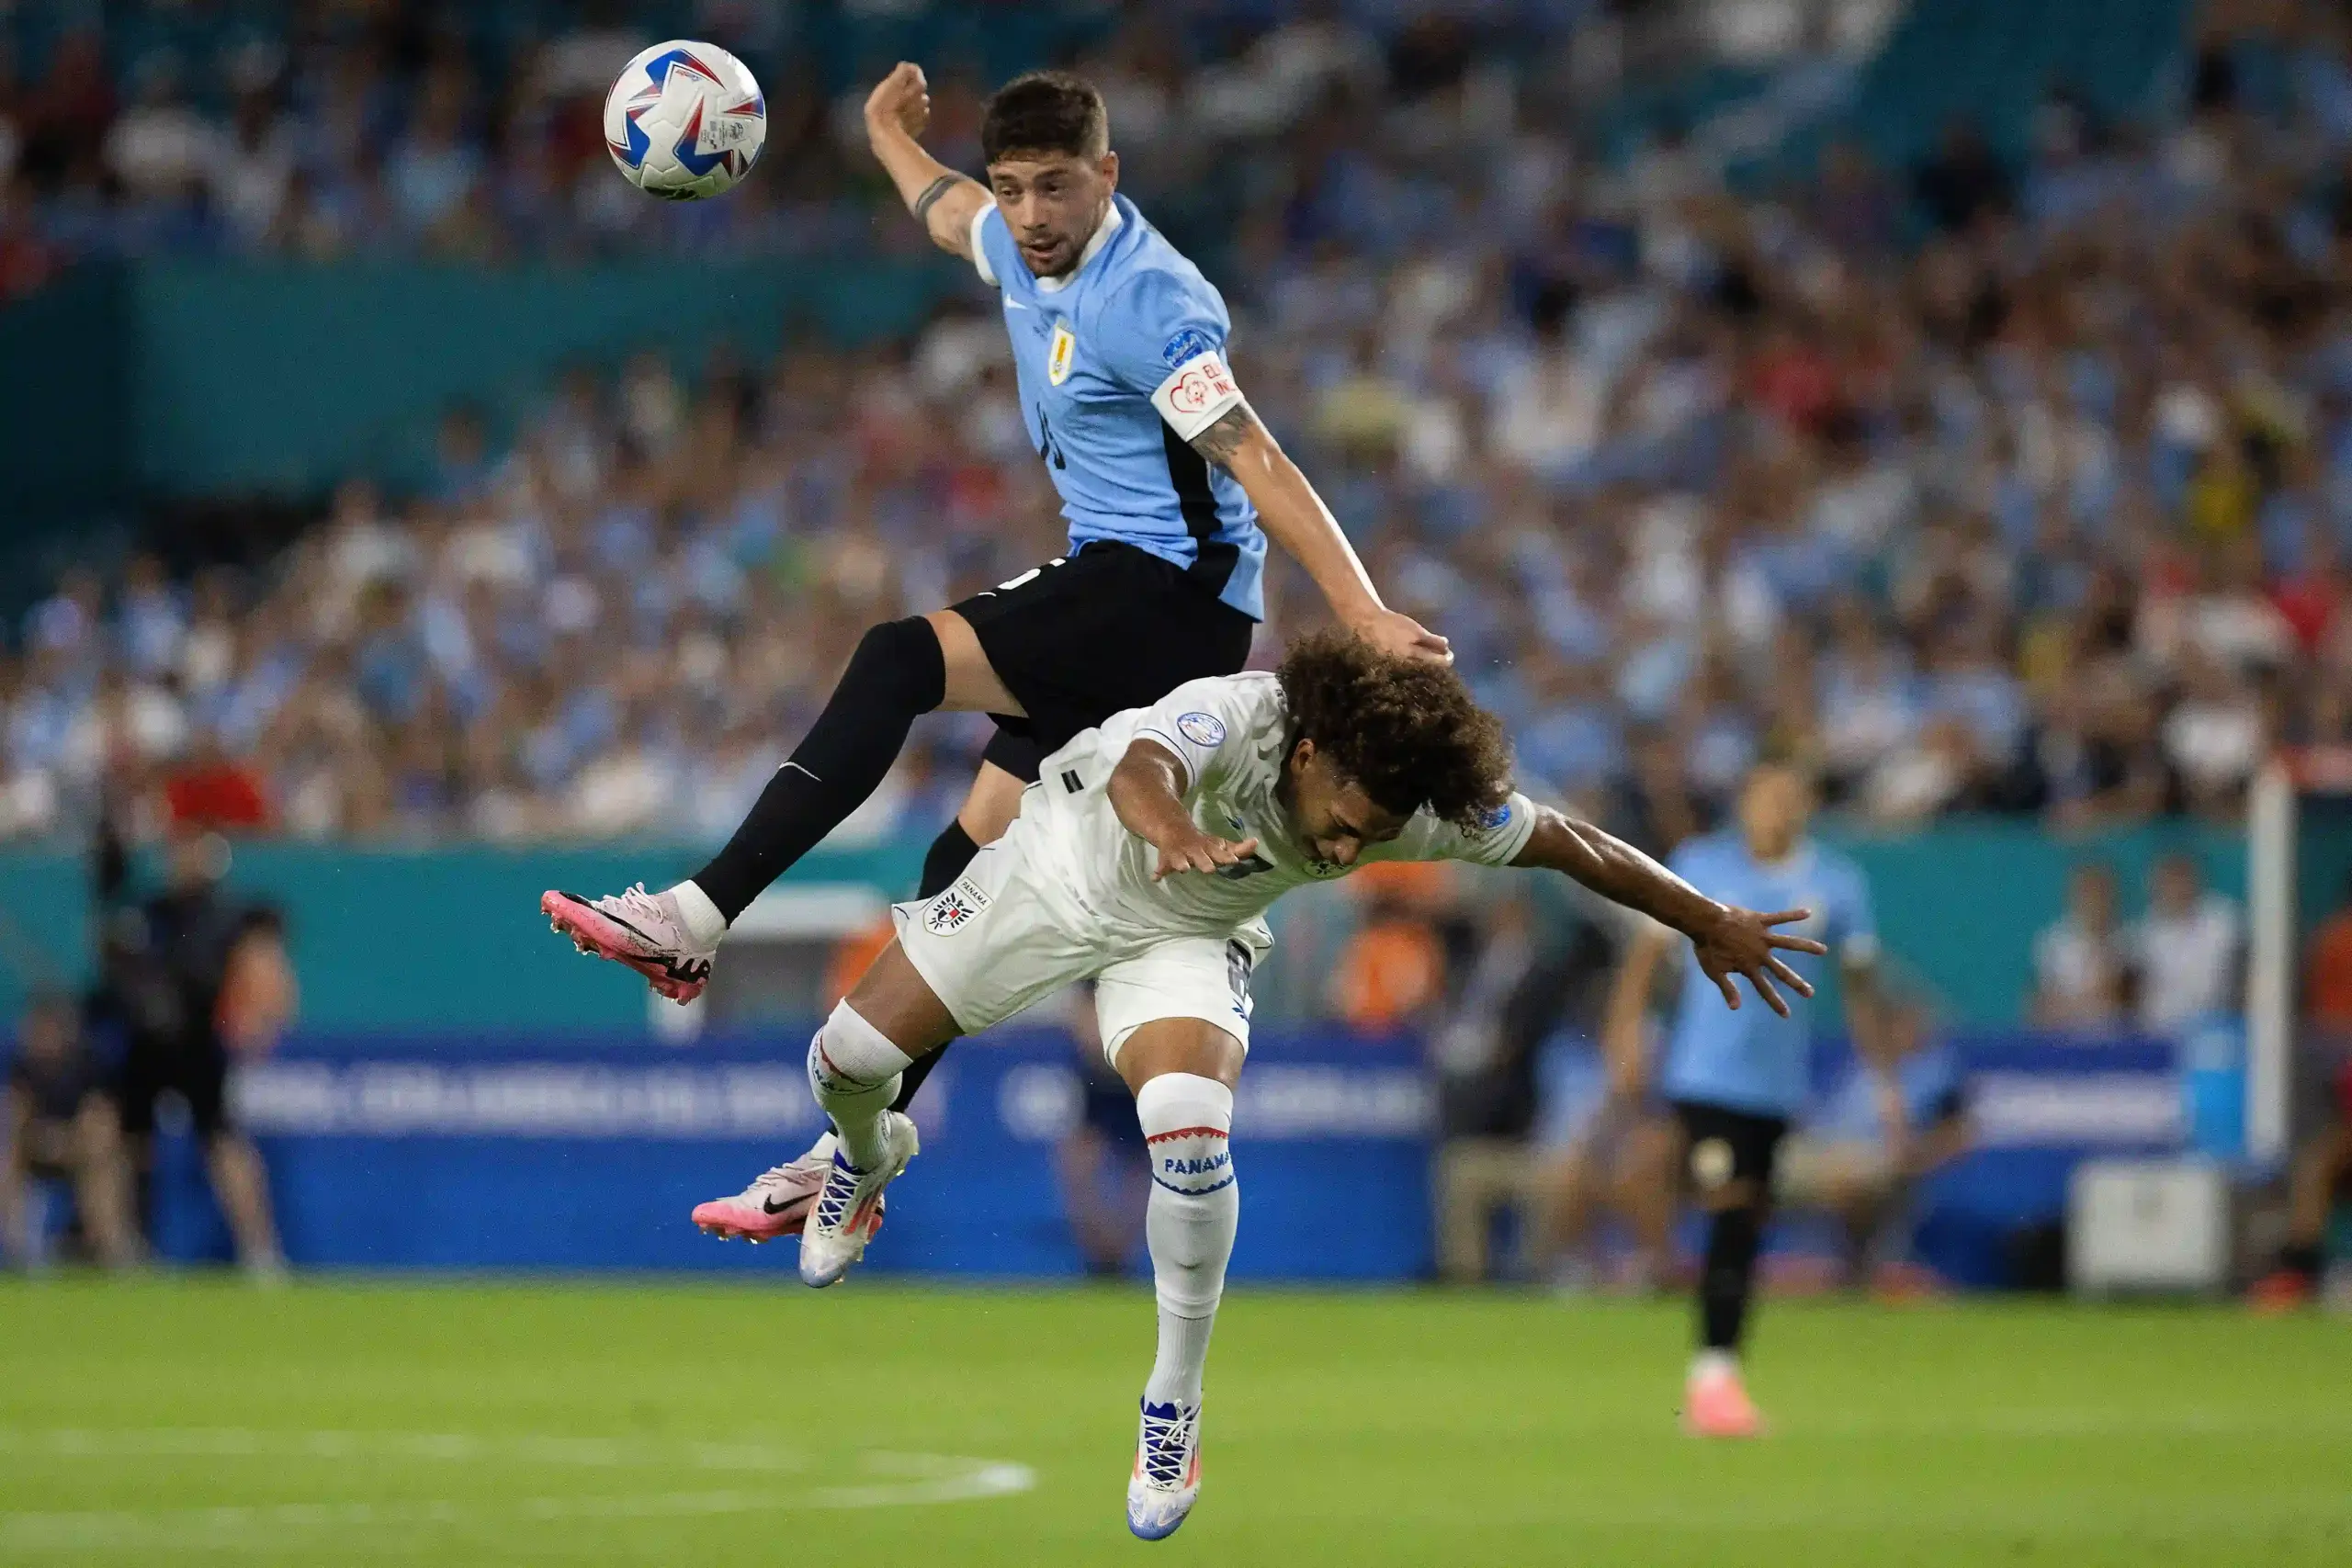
x: 1754, y: 1060
x: 1121, y: 363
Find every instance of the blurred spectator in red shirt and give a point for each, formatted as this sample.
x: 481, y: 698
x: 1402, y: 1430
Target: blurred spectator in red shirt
x: 213, y: 790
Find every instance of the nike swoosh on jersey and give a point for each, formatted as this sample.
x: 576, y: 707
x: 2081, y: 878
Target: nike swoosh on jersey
x: 1014, y: 305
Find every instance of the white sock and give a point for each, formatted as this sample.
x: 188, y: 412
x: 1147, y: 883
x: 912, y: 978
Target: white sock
x: 853, y: 1072
x: 1195, y: 1208
x: 701, y: 918
x: 1713, y: 1364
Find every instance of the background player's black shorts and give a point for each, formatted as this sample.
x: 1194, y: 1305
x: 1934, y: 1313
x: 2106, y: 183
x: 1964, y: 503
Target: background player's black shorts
x: 1108, y: 628
x: 1723, y: 1144
x: 1109, y: 1107
x: 197, y: 1071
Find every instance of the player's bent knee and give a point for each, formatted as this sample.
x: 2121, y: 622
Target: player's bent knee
x: 899, y: 662
x: 1187, y: 1123
x: 849, y: 1055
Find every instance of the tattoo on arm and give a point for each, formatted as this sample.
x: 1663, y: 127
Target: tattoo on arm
x: 930, y: 195
x: 1221, y: 440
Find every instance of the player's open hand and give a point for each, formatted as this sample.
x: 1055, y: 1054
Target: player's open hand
x: 1392, y: 631
x: 1197, y: 851
x: 901, y: 100
x: 1741, y: 942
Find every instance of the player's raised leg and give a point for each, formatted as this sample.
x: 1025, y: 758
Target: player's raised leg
x: 902, y: 671
x: 777, y: 1203
x: 1182, y: 1071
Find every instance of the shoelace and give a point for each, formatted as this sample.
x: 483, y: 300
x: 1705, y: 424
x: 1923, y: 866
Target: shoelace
x: 1167, y: 1443
x: 831, y: 1210
x: 634, y: 900
x: 776, y: 1175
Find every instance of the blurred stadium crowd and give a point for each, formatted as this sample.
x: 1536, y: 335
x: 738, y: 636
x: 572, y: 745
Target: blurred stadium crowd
x: 1991, y: 486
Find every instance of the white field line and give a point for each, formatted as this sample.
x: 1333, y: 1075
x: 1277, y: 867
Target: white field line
x: 881, y: 1481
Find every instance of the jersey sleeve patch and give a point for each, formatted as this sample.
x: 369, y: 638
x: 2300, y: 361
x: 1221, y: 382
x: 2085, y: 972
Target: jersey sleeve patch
x: 1196, y: 394
x: 1186, y: 346
x: 1202, y: 729
x: 979, y: 246
x: 1501, y: 833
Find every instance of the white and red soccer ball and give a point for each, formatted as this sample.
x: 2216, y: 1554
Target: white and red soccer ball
x: 686, y: 121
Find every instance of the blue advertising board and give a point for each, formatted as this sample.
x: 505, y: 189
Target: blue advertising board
x: 558, y: 1153
x: 532, y: 1153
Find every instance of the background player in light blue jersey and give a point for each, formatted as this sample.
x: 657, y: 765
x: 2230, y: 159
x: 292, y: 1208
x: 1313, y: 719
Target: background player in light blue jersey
x: 1170, y: 487
x: 1736, y: 1077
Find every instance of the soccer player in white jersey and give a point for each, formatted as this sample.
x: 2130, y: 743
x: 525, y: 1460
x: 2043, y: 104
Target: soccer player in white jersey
x: 1143, y: 859
x: 1171, y: 488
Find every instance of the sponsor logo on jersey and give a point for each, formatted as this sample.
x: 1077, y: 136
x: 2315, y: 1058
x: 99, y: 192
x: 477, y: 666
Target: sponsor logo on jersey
x: 955, y: 908
x: 1058, y: 352
x: 1202, y: 729
x: 1190, y: 344
x: 1495, y: 818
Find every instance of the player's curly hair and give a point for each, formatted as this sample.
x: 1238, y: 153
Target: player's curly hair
x: 1045, y: 111
x: 1405, y: 730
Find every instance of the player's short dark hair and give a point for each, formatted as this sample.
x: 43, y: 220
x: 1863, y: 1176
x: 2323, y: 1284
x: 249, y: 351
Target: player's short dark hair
x: 1045, y: 111
x: 1405, y: 730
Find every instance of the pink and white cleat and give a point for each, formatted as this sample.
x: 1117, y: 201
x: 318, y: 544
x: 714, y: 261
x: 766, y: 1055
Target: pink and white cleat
x: 1716, y: 1405
x: 641, y: 930
x: 777, y: 1203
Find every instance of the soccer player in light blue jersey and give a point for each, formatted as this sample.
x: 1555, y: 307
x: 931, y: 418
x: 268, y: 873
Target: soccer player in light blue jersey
x: 1736, y: 1078
x: 1168, y: 482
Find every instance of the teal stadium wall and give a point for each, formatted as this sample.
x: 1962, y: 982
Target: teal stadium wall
x: 187, y: 379
x: 450, y: 941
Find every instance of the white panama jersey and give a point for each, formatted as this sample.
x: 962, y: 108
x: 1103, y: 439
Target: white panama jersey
x: 1232, y: 734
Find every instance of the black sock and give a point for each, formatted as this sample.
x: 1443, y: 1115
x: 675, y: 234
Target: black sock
x: 950, y: 853
x: 2299, y: 1257
x: 898, y: 674
x: 1730, y: 1276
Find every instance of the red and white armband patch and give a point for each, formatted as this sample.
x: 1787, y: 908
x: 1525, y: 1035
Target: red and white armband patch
x: 1196, y: 394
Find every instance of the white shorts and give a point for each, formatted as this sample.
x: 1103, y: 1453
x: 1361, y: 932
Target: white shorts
x: 993, y: 945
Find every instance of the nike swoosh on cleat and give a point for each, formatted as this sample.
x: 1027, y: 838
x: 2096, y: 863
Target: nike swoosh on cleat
x: 608, y: 915
x: 770, y: 1206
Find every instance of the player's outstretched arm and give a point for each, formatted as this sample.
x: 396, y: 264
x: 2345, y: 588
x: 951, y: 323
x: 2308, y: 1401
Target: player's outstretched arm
x: 1147, y: 790
x: 1295, y: 518
x: 941, y: 200
x: 1728, y: 940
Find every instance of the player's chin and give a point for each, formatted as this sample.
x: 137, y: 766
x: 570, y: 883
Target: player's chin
x: 1052, y: 260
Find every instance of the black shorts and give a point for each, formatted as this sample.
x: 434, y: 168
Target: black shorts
x: 1109, y: 1107
x: 1722, y: 1145
x: 1087, y: 636
x: 198, y: 1073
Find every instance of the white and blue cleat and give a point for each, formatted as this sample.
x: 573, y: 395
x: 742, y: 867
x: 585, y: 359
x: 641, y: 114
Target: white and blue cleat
x: 1167, y: 1479
x: 848, y: 1206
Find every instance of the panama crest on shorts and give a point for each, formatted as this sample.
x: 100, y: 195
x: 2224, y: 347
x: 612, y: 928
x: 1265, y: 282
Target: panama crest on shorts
x: 952, y: 911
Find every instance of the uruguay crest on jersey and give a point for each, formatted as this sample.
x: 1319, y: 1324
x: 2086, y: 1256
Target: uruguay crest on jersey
x: 1058, y: 352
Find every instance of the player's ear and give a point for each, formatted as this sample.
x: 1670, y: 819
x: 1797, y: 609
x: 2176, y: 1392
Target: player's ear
x: 1301, y: 754
x: 1108, y: 167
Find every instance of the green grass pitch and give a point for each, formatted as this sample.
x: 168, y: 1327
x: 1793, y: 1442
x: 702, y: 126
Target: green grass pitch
x: 186, y: 1422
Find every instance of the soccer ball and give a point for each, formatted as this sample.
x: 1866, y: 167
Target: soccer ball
x: 686, y: 121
